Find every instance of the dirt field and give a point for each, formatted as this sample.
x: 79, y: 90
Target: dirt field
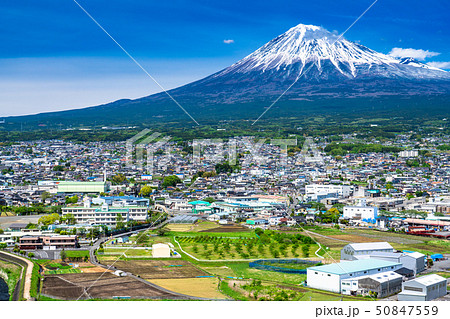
x: 108, y: 286
x: 355, y: 238
x: 226, y: 229
x: 160, y: 269
x: 198, y: 287
x: 180, y: 227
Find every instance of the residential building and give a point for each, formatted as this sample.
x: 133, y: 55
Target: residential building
x: 50, y: 242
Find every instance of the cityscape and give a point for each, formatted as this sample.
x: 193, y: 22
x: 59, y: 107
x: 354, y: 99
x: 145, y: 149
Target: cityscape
x: 282, y: 214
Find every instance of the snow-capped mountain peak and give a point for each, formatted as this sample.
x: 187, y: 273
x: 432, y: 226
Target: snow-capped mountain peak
x: 413, y: 62
x: 332, y: 55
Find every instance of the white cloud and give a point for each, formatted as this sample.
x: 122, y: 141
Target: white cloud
x: 228, y: 41
x: 418, y: 54
x: 440, y: 65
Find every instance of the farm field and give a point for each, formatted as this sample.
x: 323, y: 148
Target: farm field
x: 289, y: 265
x: 180, y: 227
x: 63, y: 271
x: 256, y: 290
x: 77, y: 253
x: 242, y: 270
x: 399, y: 241
x: 116, y: 251
x: 198, y: 287
x: 108, y: 286
x: 227, y: 229
x: 160, y: 268
x: 216, y: 247
x: 202, y: 226
x: 54, y: 267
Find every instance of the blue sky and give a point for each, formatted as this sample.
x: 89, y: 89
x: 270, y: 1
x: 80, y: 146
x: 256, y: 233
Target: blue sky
x: 53, y: 57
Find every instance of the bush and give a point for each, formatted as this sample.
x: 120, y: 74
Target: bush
x: 63, y: 255
x: 305, y: 250
x: 35, y: 280
x: 31, y: 255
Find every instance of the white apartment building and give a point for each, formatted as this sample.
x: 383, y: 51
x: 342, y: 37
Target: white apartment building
x: 340, y: 190
x: 411, y: 153
x: 360, y: 212
x: 105, y: 214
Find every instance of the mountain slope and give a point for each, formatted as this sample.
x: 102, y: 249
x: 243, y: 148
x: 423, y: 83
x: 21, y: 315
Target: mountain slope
x: 328, y: 70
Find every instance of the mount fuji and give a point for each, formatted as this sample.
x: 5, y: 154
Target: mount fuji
x: 323, y: 71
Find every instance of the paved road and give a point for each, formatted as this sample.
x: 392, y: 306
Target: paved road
x: 27, y: 285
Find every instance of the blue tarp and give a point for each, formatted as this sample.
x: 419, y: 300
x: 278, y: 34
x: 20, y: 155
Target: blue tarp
x: 437, y: 256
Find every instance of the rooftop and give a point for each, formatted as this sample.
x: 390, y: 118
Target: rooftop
x: 430, y: 279
x: 369, y: 246
x: 347, y: 267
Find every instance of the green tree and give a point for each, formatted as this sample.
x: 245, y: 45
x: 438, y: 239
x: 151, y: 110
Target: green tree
x: 63, y: 255
x: 119, y: 221
x: 141, y: 238
x: 209, y: 200
x: 72, y: 200
x: 118, y: 179
x: 170, y: 181
x: 146, y: 191
x: 48, y: 219
x: 45, y: 195
x: 223, y: 168
x: 305, y: 250
x: 58, y: 168
x: 69, y: 219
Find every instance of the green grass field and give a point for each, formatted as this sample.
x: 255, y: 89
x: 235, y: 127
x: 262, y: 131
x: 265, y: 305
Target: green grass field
x: 13, y: 275
x: 236, y: 291
x: 243, y: 271
x: 77, y: 253
x: 128, y: 252
x: 62, y: 271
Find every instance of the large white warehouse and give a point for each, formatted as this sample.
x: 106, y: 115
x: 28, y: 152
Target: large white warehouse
x: 329, y: 277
